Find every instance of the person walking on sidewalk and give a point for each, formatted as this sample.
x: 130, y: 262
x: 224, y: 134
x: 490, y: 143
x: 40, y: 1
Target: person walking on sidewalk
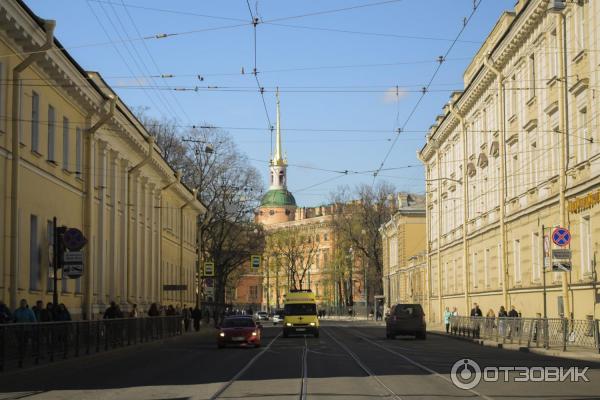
x: 476, y: 312
x: 23, y: 313
x: 447, y: 315
x: 196, y: 316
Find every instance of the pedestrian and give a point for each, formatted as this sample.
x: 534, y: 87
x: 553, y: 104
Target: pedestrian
x: 153, y: 311
x: 454, y: 327
x: 112, y: 311
x: 490, y: 318
x: 475, y: 322
x: 42, y: 314
x: 447, y: 315
x: 187, y: 315
x: 196, y: 316
x: 514, y: 322
x: 62, y: 313
x: 5, y: 314
x: 171, y: 310
x: 476, y: 311
x: 23, y: 313
x: 134, y: 312
x: 502, y: 315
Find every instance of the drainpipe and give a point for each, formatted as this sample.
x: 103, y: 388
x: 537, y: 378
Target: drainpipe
x: 160, y: 232
x: 501, y: 117
x: 465, y: 185
x: 439, y: 232
x: 130, y: 172
x: 37, y: 55
x: 563, y: 103
x: 89, y: 205
x: 181, y: 242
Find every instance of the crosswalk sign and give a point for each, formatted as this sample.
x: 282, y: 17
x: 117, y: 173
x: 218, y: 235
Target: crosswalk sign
x: 255, y: 262
x: 209, y: 269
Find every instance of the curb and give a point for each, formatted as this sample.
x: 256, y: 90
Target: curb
x: 590, y: 357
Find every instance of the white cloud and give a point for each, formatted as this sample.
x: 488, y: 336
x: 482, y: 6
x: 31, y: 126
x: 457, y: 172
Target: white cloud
x: 394, y: 94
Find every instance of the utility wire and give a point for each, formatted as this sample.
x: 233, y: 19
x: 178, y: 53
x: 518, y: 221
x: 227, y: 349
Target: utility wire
x: 427, y: 88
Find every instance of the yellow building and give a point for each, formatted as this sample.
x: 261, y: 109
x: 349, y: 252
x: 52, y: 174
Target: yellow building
x: 70, y: 149
x: 514, y: 152
x: 404, y: 241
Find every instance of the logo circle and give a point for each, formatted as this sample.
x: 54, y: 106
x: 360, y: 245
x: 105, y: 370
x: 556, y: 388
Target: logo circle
x: 561, y: 236
x: 465, y: 374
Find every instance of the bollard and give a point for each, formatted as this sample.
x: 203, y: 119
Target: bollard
x: 564, y: 333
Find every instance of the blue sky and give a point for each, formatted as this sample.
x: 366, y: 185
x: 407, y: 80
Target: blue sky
x: 338, y: 89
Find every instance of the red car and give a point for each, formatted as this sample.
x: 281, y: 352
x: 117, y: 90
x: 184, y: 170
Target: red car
x: 240, y: 331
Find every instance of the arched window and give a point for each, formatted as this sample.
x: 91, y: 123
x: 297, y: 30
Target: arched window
x: 271, y: 178
x: 281, y: 178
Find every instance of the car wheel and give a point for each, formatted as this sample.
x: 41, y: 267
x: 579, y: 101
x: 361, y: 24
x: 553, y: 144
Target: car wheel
x: 285, y: 334
x: 421, y: 335
x: 220, y: 346
x: 388, y: 335
x: 257, y: 345
x: 316, y: 334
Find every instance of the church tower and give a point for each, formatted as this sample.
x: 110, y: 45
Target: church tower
x: 278, y: 204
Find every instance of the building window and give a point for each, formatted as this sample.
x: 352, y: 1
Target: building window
x: 584, y: 135
x: 586, y: 245
x: 454, y: 276
x: 20, y: 108
x: 78, y: 151
x: 553, y: 54
x: 2, y: 98
x: 535, y: 257
x: 532, y: 76
x: 580, y: 24
x: 499, y: 264
x: 35, y: 122
x: 474, y: 277
x: 517, y: 260
x: 65, y: 143
x: 51, y: 133
x: 393, y: 251
x: 486, y: 267
x: 445, y: 277
x: 34, y: 254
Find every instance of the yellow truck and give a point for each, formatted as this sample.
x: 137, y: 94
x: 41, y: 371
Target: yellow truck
x: 300, y: 313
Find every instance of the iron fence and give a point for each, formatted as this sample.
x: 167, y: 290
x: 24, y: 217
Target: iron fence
x: 530, y: 332
x: 23, y: 345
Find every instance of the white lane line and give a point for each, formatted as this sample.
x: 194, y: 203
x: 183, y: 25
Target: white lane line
x: 417, y: 364
x: 304, y: 384
x: 226, y: 385
x: 393, y: 395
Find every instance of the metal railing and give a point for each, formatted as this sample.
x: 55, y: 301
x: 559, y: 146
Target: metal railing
x: 23, y: 345
x: 531, y: 332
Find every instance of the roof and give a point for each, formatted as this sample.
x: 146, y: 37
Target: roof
x: 278, y: 198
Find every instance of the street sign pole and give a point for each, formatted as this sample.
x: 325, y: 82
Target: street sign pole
x: 55, y: 261
x: 544, y: 270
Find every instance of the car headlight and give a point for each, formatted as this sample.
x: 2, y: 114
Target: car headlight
x: 288, y: 324
x: 312, y: 324
x: 222, y: 334
x: 254, y: 333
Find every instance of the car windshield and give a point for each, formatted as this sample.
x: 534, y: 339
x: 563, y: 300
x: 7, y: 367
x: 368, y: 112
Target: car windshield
x: 238, y: 323
x: 408, y: 310
x: 300, y: 309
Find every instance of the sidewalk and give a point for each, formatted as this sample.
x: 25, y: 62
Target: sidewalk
x: 581, y: 354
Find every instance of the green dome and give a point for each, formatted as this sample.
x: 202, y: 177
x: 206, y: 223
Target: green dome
x: 278, y: 198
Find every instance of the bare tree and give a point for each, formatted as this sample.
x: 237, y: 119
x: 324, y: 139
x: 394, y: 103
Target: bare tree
x: 358, y: 215
x: 297, y: 250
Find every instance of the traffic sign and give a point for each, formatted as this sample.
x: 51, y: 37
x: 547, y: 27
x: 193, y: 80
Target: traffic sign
x: 561, y: 236
x: 561, y: 266
x: 72, y: 257
x: 73, y: 270
x: 255, y: 262
x: 561, y: 254
x: 209, y: 269
x: 73, y: 239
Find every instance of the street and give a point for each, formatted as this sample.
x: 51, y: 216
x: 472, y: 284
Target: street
x: 350, y: 360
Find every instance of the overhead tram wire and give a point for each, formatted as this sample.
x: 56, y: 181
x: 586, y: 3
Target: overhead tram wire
x: 261, y: 89
x: 122, y: 57
x: 135, y: 56
x: 153, y: 60
x: 426, y: 88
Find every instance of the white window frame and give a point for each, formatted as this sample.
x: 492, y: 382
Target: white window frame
x: 51, y: 133
x: 474, y: 277
x: 65, y: 146
x: 517, y: 261
x: 486, y: 267
x: 78, y: 151
x: 35, y: 121
x: 585, y: 228
x: 536, y: 257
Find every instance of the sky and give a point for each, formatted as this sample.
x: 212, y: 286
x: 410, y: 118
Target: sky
x: 350, y: 74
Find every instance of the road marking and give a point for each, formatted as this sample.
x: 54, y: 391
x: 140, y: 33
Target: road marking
x: 226, y: 385
x: 417, y: 364
x: 304, y: 383
x: 361, y: 365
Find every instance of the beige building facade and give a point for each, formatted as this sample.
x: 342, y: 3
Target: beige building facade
x: 404, y: 242
x: 513, y: 156
x: 70, y: 149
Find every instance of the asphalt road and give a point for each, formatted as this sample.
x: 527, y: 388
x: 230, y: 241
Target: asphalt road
x: 348, y: 361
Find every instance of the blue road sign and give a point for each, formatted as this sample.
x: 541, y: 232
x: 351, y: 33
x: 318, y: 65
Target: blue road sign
x: 561, y: 236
